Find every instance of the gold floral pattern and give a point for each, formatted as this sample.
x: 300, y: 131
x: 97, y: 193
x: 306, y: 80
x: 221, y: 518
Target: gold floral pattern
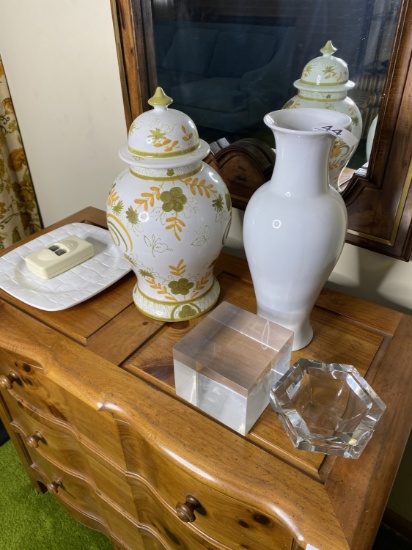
x: 19, y: 215
x: 167, y: 202
x: 177, y: 285
x: 166, y: 138
x: 307, y: 70
x: 173, y: 200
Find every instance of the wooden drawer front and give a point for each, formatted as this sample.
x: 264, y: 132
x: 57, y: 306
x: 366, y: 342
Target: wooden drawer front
x: 112, y: 484
x: 162, y: 520
x: 28, y: 384
x: 55, y: 441
x: 169, y: 484
x: 96, y: 428
x: 26, y: 380
x: 58, y: 444
x: 126, y: 532
x: 131, y: 506
x: 77, y: 492
x: 150, y: 541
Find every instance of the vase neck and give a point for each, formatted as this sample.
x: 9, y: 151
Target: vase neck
x: 301, y: 167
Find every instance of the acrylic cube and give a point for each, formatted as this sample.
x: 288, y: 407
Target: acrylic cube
x: 228, y: 363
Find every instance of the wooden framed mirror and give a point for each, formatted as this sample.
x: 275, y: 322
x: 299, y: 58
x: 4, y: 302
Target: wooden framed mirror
x: 379, y: 198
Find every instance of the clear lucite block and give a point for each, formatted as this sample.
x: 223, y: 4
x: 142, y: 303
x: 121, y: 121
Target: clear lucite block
x: 327, y: 408
x: 227, y: 364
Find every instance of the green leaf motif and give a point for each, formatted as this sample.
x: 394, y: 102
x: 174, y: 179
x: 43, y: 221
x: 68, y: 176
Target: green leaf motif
x: 218, y: 204
x: 228, y: 201
x: 156, y: 134
x: 186, y: 312
x: 182, y: 286
x: 118, y: 207
x: 129, y: 259
x: 173, y: 200
x: 132, y: 215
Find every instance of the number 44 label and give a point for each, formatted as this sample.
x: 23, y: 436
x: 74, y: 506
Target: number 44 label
x: 338, y: 132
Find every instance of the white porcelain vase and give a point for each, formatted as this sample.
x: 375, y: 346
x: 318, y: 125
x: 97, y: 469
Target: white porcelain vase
x: 295, y: 224
x: 169, y: 213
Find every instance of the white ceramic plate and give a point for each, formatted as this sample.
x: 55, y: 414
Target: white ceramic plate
x: 75, y: 285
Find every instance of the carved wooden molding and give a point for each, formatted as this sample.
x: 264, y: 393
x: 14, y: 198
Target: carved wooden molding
x: 244, y: 166
x: 380, y: 203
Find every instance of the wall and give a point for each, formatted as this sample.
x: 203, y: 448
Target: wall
x: 60, y: 61
x: 61, y: 66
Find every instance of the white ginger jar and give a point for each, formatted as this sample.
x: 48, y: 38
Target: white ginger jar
x: 169, y: 213
x: 324, y: 84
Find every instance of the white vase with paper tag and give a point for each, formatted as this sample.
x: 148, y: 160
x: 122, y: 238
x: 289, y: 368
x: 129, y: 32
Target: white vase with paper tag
x: 295, y: 224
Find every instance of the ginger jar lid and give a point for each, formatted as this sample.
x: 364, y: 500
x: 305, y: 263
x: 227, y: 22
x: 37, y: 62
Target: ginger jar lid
x: 163, y: 137
x: 325, y: 73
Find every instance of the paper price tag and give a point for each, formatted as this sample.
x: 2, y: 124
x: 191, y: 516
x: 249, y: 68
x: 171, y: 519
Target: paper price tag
x: 338, y: 132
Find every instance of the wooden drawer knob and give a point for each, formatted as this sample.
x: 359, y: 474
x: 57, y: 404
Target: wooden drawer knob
x: 53, y: 487
x: 33, y: 440
x: 6, y: 381
x: 185, y: 511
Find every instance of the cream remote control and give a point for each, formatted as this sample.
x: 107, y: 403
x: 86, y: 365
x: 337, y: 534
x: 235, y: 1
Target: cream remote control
x: 59, y: 257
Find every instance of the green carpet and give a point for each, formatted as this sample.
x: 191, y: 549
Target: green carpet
x: 30, y: 521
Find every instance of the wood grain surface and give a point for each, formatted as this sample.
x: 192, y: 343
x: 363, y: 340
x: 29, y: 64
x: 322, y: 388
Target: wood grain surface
x: 89, y: 400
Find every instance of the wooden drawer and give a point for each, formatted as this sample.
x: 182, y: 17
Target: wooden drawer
x: 173, y: 451
x: 127, y: 533
x: 209, y: 530
x: 112, y: 484
x: 54, y: 440
x: 75, y: 491
x: 243, y: 527
x: 160, y: 483
x: 26, y: 382
x: 158, y: 526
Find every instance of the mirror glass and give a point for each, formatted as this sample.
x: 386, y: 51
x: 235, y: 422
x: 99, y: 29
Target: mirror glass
x: 228, y: 63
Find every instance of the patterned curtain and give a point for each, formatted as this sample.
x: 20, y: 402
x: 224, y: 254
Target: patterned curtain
x: 19, y: 213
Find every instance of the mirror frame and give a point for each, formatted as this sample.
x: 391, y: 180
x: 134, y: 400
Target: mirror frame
x: 379, y: 198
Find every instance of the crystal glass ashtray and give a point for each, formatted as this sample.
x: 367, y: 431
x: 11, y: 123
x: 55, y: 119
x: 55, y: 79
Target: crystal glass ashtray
x: 326, y: 408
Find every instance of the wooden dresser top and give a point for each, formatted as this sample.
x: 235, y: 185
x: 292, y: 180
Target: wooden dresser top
x: 377, y: 340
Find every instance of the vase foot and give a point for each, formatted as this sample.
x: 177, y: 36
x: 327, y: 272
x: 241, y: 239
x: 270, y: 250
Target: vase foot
x: 176, y: 311
x: 302, y: 338
x: 302, y: 332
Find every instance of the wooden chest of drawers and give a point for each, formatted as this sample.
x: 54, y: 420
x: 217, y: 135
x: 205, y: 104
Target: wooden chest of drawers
x: 88, y: 397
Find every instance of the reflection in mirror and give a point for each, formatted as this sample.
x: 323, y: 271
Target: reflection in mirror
x: 227, y: 64
x: 379, y: 198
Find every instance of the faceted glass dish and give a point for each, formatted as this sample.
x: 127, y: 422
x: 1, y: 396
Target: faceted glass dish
x: 327, y: 408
